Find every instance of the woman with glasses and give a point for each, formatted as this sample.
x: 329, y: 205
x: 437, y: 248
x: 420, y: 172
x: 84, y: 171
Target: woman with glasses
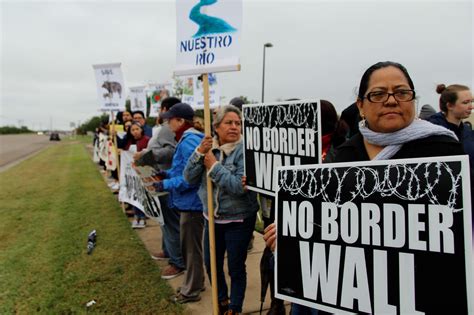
x: 388, y: 129
x: 455, y: 103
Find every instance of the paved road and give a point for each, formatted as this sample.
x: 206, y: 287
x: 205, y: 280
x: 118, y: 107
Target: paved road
x: 14, y: 148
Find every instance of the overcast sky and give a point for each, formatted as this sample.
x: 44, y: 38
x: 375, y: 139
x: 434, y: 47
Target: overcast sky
x: 321, y: 49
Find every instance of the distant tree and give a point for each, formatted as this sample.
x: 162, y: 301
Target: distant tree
x: 91, y: 124
x: 9, y: 130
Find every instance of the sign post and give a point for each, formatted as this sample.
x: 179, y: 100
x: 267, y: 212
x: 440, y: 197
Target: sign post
x: 208, y: 41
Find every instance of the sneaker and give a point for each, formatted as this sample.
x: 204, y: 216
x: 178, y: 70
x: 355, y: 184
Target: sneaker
x: 181, y: 299
x: 135, y: 224
x: 223, y: 306
x: 171, y: 272
x: 141, y: 224
x: 115, y: 186
x: 159, y: 256
x: 178, y: 290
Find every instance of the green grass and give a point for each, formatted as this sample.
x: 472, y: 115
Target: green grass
x: 49, y: 205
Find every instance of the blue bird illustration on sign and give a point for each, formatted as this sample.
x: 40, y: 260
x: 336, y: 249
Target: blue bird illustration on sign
x: 208, y: 24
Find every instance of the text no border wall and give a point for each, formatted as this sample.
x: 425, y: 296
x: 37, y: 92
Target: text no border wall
x: 386, y: 237
x: 279, y: 134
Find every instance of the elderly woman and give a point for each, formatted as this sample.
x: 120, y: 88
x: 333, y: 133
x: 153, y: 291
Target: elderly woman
x: 221, y: 158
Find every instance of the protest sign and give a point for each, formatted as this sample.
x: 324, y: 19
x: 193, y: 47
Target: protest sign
x: 133, y: 191
x: 110, y: 87
x: 158, y: 92
x: 208, y: 36
x: 381, y: 237
x: 193, y: 92
x: 279, y: 134
x: 137, y: 97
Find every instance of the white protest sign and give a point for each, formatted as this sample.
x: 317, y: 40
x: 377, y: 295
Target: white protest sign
x: 133, y: 191
x: 208, y: 36
x: 193, y: 92
x: 137, y: 97
x: 276, y: 134
x: 158, y: 92
x: 110, y: 87
x: 377, y: 237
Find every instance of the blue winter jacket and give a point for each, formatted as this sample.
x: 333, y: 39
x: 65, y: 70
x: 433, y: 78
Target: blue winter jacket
x: 464, y: 133
x: 183, y: 195
x: 231, y: 201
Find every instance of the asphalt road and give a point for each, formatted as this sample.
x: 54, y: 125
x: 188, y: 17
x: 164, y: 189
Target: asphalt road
x: 15, y: 148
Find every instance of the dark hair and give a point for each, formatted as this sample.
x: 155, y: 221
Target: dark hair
x: 169, y: 101
x: 139, y: 125
x: 139, y: 112
x: 364, y: 81
x: 330, y: 123
x: 449, y: 94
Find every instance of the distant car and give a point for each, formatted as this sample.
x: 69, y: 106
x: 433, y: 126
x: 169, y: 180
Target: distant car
x: 54, y: 136
x: 40, y: 133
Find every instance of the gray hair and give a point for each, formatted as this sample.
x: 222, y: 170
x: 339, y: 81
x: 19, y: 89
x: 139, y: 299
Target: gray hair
x: 222, y: 111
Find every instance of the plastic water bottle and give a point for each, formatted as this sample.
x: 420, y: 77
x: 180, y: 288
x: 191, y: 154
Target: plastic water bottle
x: 91, y: 242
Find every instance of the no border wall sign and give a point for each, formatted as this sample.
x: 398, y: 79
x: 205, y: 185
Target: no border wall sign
x: 387, y: 237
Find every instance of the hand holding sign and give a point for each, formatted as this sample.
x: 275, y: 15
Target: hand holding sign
x: 206, y: 145
x: 209, y: 160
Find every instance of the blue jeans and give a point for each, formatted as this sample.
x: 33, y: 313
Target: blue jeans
x: 233, y: 238
x: 298, y: 309
x: 171, y: 234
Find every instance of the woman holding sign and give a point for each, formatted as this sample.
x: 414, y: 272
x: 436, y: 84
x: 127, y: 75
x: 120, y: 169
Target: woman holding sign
x: 388, y: 129
x: 222, y: 160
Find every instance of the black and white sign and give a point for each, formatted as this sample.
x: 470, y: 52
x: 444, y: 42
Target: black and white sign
x: 133, y: 191
x: 390, y: 237
x: 279, y: 134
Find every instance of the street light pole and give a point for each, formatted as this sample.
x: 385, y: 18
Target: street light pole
x: 269, y: 45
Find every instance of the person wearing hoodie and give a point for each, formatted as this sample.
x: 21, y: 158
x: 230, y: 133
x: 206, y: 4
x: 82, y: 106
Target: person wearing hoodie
x: 235, y: 209
x: 162, y: 146
x: 455, y: 103
x: 184, y: 198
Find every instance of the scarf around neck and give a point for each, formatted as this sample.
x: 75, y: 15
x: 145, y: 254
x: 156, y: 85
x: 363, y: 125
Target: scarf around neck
x: 393, y: 141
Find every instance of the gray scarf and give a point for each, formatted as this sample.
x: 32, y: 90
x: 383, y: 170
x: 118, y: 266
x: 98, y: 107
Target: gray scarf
x: 392, y: 142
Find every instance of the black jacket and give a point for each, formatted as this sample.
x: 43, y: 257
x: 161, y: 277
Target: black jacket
x: 464, y: 133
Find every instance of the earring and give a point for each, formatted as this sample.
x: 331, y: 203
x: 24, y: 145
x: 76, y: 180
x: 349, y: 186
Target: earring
x: 362, y: 122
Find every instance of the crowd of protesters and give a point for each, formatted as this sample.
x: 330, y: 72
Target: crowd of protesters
x: 380, y: 125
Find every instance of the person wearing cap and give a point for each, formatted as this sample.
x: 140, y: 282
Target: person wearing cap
x: 162, y: 146
x: 184, y: 198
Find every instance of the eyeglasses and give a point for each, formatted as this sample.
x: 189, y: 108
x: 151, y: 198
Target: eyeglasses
x: 382, y: 97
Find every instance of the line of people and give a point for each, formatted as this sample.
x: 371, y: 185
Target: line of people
x: 383, y: 126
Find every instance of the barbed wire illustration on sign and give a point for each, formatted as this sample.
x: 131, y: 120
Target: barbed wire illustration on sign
x: 300, y: 114
x: 424, y: 182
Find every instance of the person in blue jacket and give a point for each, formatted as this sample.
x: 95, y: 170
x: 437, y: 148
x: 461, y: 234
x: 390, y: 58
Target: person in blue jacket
x: 221, y: 158
x: 183, y: 197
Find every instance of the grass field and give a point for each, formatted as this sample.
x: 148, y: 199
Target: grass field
x: 49, y: 204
